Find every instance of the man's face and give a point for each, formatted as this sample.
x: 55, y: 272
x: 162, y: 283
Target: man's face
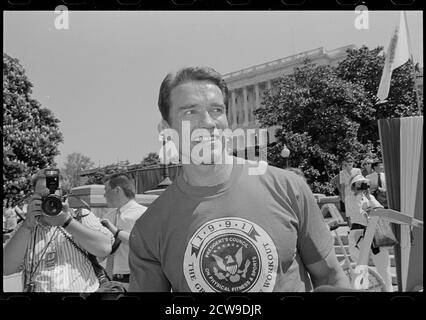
x: 348, y: 166
x: 379, y: 168
x: 111, y: 195
x: 201, y: 104
x: 367, y: 165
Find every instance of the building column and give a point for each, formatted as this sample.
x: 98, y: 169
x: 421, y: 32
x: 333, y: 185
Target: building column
x: 229, y: 113
x: 233, y: 108
x: 268, y: 84
x: 245, y: 104
x: 256, y: 96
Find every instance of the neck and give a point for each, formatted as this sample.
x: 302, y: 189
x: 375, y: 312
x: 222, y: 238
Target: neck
x: 208, y: 175
x: 123, y: 202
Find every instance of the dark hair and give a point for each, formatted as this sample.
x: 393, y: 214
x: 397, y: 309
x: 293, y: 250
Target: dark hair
x: 121, y: 180
x: 187, y: 74
x: 375, y: 164
x: 348, y: 158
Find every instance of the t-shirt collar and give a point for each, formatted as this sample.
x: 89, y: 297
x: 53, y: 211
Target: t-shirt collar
x: 209, y: 191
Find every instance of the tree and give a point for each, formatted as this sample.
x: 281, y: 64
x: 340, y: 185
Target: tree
x: 98, y: 176
x: 319, y: 114
x: 364, y: 67
x: 151, y: 159
x: 74, y: 165
x: 327, y: 112
x: 30, y: 132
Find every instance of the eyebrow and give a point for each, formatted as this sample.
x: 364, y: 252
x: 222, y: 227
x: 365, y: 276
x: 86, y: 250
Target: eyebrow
x: 191, y: 106
x: 187, y: 106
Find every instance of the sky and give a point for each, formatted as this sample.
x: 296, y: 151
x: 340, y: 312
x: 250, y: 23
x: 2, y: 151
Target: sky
x: 101, y: 76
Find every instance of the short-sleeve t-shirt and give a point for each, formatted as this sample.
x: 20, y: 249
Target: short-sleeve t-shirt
x: 253, y: 233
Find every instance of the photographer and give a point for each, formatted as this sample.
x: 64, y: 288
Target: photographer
x: 359, y: 201
x: 44, y: 244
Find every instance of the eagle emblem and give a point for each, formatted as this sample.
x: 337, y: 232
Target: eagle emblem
x: 230, y: 266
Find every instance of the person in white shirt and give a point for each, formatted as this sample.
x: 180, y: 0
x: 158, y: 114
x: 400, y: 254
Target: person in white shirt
x: 358, y: 202
x: 374, y: 177
x: 120, y: 194
x: 342, y: 180
x: 366, y: 166
x: 48, y: 249
x: 378, y: 183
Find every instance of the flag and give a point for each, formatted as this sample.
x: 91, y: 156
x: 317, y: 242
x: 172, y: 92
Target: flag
x: 397, y: 54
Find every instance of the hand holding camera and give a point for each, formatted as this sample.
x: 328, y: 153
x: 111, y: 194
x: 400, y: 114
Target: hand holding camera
x: 33, y: 212
x: 59, y: 219
x: 47, y: 204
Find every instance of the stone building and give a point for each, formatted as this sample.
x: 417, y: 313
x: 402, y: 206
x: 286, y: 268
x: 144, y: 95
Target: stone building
x: 246, y: 88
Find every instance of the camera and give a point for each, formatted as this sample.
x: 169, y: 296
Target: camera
x: 51, y: 204
x: 364, y: 186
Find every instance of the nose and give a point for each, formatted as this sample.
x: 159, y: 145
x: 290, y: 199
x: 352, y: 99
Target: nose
x: 206, y: 121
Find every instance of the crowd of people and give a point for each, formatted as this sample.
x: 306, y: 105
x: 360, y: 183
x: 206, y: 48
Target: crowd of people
x: 360, y: 190
x: 218, y: 227
x: 13, y: 213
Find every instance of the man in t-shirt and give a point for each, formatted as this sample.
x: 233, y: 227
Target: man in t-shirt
x: 226, y: 224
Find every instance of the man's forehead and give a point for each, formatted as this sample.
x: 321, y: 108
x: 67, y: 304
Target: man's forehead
x: 195, y: 91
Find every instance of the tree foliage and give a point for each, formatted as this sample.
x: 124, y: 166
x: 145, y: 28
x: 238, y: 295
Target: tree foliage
x: 327, y: 112
x: 74, y: 165
x: 151, y: 159
x: 30, y: 132
x: 97, y: 176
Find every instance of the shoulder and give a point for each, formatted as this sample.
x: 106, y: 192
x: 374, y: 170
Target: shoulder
x: 85, y: 216
x: 284, y: 182
x: 369, y: 176
x: 284, y: 176
x: 135, y: 209
x: 160, y: 208
x: 355, y: 171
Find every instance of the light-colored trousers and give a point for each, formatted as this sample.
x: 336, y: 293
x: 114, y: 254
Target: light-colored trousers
x: 381, y: 260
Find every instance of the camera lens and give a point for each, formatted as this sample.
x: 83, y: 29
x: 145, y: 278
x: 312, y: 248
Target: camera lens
x: 51, y: 205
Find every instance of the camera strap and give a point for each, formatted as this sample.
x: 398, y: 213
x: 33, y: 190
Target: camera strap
x: 32, y: 272
x: 97, y: 268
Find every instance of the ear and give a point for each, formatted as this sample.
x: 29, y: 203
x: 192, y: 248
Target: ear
x: 162, y: 125
x: 118, y: 190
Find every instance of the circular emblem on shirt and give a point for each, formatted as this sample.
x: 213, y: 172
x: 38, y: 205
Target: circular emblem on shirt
x: 230, y: 255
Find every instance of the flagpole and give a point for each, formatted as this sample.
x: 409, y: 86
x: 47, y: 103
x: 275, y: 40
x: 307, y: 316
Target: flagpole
x: 413, y: 68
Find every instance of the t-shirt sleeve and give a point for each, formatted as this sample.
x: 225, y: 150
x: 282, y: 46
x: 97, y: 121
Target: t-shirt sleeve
x: 146, y: 274
x: 314, y: 240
